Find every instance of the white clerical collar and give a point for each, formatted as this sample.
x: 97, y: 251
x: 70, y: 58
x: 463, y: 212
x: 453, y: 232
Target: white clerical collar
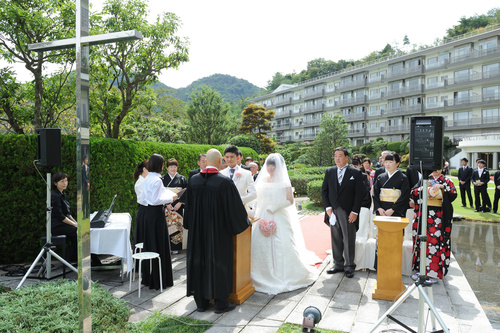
x: 212, y: 167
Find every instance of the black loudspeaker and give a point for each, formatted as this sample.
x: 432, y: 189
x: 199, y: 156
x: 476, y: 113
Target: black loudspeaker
x: 426, y: 143
x: 49, y: 146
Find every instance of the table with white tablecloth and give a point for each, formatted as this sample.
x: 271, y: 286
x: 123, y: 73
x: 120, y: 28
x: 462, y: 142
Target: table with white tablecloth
x: 114, y: 238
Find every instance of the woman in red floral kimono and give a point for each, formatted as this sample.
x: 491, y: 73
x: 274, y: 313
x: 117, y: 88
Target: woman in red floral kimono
x: 440, y: 214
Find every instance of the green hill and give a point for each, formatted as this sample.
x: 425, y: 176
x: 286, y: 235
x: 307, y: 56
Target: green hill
x: 230, y: 87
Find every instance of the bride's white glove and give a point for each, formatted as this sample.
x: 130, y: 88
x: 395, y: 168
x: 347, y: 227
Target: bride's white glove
x: 280, y: 205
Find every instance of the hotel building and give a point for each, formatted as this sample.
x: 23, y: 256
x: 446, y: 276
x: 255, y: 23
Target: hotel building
x: 459, y: 80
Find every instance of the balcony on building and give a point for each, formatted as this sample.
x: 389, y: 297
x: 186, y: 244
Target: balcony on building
x: 353, y: 116
x: 403, y: 110
x: 356, y: 133
x: 406, y: 91
x: 473, y: 123
x: 352, y: 101
x: 283, y: 114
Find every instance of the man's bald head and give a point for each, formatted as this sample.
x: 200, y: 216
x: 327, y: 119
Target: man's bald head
x: 214, y: 158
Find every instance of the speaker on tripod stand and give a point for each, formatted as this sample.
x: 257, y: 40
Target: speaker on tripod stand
x: 49, y: 155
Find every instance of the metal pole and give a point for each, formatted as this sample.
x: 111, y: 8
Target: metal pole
x: 48, y: 225
x: 423, y: 250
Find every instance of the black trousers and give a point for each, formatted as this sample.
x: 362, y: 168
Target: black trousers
x: 463, y: 190
x: 495, y: 200
x: 71, y: 237
x: 481, y: 192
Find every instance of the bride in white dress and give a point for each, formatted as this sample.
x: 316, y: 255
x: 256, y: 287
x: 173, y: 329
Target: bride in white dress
x: 280, y: 260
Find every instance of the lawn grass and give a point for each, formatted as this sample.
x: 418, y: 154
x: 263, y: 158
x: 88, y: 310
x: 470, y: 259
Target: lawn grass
x: 311, y: 208
x: 468, y: 212
x: 158, y: 322
x: 294, y: 328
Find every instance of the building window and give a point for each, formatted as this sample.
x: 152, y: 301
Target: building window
x: 490, y: 93
x: 462, y: 118
x: 432, y: 101
x: 432, y: 62
x: 432, y: 82
x: 462, y: 75
x: 491, y: 70
x: 491, y: 113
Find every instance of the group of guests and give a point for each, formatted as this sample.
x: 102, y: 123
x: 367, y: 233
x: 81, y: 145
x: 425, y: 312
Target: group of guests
x: 348, y: 191
x: 479, y: 177
x: 220, y: 197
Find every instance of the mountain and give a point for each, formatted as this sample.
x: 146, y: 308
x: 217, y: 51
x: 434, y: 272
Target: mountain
x: 230, y: 87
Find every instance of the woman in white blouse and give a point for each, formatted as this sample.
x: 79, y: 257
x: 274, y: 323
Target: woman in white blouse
x: 140, y: 174
x: 156, y: 238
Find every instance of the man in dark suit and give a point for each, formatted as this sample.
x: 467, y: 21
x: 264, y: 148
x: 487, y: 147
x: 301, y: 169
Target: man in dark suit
x: 202, y: 163
x: 496, y: 180
x: 464, y: 177
x: 480, y: 179
x: 342, y: 193
x: 381, y: 169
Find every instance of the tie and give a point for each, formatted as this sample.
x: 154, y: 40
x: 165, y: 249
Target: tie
x: 231, y: 173
x: 341, y: 175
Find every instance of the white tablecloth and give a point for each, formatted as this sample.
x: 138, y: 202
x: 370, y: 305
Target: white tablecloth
x: 114, y: 238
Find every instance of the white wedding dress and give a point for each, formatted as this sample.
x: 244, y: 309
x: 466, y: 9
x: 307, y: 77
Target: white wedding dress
x: 280, y: 262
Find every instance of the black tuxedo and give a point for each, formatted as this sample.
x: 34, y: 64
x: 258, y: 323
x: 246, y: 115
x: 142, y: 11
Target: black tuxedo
x: 496, y: 179
x: 465, y: 175
x: 378, y: 172
x: 343, y: 199
x: 193, y: 172
x: 481, y: 191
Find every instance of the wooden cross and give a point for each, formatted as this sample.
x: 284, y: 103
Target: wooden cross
x: 81, y: 43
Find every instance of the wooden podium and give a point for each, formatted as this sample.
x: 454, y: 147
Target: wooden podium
x: 242, y: 283
x: 389, y: 285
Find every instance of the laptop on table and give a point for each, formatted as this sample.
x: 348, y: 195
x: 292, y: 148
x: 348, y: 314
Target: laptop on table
x: 101, y: 217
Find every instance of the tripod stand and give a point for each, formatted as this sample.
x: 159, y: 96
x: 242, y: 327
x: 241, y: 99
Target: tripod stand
x: 421, y: 282
x: 47, y: 248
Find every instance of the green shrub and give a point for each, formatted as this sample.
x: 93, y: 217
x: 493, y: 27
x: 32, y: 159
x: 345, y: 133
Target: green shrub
x: 454, y: 172
x: 394, y: 146
x: 300, y: 181
x: 314, y: 191
x: 54, y: 307
x: 112, y: 163
x: 159, y: 322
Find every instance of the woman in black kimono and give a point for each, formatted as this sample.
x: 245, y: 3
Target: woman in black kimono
x: 62, y: 223
x: 442, y: 192
x: 391, y: 189
x: 175, y: 211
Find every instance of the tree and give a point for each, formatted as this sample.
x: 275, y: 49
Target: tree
x: 24, y: 22
x: 256, y: 120
x: 12, y: 115
x: 245, y: 140
x: 208, y: 122
x: 130, y: 67
x: 468, y: 24
x: 333, y: 134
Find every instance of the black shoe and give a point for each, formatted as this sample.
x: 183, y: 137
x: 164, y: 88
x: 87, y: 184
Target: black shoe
x: 478, y: 210
x: 349, y: 274
x: 334, y: 270
x: 200, y: 309
x: 230, y: 307
x: 464, y: 206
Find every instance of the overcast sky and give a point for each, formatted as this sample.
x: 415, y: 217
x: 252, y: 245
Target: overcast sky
x: 253, y: 40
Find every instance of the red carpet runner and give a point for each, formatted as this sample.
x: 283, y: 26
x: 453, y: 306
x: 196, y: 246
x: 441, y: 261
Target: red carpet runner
x: 316, y: 235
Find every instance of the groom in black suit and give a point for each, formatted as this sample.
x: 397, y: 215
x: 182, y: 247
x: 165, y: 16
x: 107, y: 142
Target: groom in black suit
x: 464, y: 177
x: 342, y: 193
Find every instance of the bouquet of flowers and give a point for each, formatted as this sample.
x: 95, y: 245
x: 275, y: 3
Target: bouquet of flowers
x: 268, y: 228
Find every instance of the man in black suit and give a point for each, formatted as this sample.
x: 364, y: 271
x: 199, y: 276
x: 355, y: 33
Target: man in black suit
x: 480, y: 179
x: 342, y: 193
x: 464, y: 177
x: 381, y: 169
x: 496, y: 179
x: 202, y: 163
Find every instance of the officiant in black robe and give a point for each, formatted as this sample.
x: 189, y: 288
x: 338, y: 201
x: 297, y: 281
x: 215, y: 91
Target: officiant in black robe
x: 214, y: 213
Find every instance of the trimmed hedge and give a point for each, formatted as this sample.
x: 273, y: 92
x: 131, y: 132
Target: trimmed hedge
x: 112, y: 163
x: 300, y: 181
x: 314, y: 191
